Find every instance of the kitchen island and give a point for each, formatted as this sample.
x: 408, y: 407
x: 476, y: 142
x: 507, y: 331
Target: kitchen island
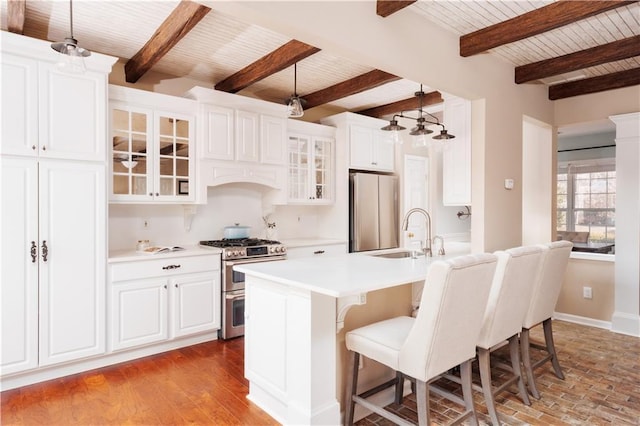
x: 294, y: 311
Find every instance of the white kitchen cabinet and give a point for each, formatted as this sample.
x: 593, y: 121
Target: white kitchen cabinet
x: 456, y: 158
x: 311, y: 171
x: 153, y: 300
x: 53, y: 223
x: 370, y: 149
x: 53, y: 262
x: 241, y: 135
x: 152, y: 147
x: 50, y: 114
x: 323, y: 250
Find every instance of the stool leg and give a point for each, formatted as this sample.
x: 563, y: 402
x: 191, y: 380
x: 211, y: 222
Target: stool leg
x: 352, y: 387
x: 467, y: 393
x: 526, y: 361
x: 422, y: 400
x: 515, y: 365
x: 551, y: 348
x: 399, y: 387
x: 484, y: 363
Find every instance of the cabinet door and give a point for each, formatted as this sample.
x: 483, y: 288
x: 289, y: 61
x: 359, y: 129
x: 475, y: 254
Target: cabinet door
x: 131, y: 149
x: 174, y: 151
x: 218, y: 137
x: 273, y: 147
x: 196, y: 303
x: 72, y: 222
x: 299, y: 164
x: 360, y: 147
x: 18, y: 268
x: 247, y: 144
x: 456, y: 159
x: 383, y: 151
x: 72, y: 114
x: 139, y: 313
x: 322, y: 170
x: 19, y: 105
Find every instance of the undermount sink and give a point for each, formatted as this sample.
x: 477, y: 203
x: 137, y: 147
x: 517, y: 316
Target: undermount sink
x: 394, y: 255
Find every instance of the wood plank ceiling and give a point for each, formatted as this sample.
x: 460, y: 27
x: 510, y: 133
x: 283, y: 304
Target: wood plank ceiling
x: 545, y: 40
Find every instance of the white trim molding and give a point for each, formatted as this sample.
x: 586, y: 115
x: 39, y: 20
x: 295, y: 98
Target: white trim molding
x: 626, y: 316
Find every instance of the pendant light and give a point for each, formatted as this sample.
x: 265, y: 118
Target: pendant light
x: 72, y: 56
x: 294, y: 103
x: 420, y: 131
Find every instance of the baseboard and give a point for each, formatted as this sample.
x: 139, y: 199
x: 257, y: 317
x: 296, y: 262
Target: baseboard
x: 582, y: 320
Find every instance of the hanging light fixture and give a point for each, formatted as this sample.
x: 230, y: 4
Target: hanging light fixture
x: 421, y: 129
x: 294, y: 103
x: 72, y: 56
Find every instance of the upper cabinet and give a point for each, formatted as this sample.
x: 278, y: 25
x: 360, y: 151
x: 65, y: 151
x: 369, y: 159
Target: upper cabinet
x: 237, y: 128
x: 46, y: 112
x: 152, y: 147
x: 456, y: 159
x: 311, y: 163
x: 369, y: 147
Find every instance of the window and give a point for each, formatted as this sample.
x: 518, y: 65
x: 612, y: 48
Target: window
x: 586, y: 197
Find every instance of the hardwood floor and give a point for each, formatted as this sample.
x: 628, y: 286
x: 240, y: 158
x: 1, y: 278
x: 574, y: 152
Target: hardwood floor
x: 204, y: 384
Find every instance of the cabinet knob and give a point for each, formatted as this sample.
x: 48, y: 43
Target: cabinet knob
x: 34, y: 251
x: 176, y: 285
x: 33, y: 147
x: 44, y: 148
x: 45, y: 250
x: 157, y: 194
x: 151, y: 194
x: 165, y: 286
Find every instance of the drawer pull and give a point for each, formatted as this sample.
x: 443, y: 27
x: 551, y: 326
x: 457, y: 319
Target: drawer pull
x: 168, y: 267
x: 34, y: 252
x: 318, y: 252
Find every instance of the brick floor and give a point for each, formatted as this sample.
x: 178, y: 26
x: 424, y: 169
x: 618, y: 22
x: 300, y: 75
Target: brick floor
x: 601, y: 386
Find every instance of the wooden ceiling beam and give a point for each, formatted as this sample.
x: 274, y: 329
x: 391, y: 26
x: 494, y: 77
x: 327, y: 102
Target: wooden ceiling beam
x: 281, y: 58
x: 532, y: 23
x: 15, y: 16
x: 385, y: 8
x: 366, y: 81
x: 413, y: 103
x: 616, y: 80
x: 615, y: 51
x: 182, y: 20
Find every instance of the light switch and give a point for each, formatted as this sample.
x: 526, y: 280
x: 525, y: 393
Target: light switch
x: 508, y: 184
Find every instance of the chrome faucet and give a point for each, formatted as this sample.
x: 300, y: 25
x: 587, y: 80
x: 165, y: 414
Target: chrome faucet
x: 426, y: 247
x: 441, y: 250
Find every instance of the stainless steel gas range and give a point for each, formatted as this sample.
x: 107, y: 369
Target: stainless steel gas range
x: 239, y: 252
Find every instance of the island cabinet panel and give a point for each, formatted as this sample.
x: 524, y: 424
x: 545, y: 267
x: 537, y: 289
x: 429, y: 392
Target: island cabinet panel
x: 290, y: 352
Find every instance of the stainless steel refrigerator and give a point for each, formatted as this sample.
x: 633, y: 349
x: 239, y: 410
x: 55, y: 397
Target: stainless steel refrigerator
x: 373, y: 211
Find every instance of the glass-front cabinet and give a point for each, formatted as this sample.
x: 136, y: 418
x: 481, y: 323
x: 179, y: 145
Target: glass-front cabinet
x: 310, y: 169
x: 151, y: 155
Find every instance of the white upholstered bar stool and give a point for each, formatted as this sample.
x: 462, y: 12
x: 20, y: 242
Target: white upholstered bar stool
x: 513, y: 282
x: 442, y: 336
x: 541, y: 307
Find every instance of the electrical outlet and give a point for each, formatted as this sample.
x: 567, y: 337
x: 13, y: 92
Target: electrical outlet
x: 586, y: 293
x: 146, y: 223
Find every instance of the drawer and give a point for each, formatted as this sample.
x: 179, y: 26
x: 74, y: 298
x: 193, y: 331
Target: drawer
x: 320, y: 250
x: 168, y: 266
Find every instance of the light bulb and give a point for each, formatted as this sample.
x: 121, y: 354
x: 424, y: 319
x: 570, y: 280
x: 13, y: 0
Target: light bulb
x: 294, y: 107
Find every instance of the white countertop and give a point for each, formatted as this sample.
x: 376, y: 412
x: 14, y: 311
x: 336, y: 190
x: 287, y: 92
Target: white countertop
x: 132, y: 255
x: 344, y: 275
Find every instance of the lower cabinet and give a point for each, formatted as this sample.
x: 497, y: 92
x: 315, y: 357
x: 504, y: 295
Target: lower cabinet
x: 161, y: 299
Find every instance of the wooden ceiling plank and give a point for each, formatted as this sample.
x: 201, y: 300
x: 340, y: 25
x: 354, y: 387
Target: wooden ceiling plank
x: 366, y: 81
x: 281, y: 58
x: 601, y: 83
x: 412, y: 103
x: 615, y: 51
x: 15, y: 16
x: 182, y: 20
x: 385, y: 8
x: 532, y: 23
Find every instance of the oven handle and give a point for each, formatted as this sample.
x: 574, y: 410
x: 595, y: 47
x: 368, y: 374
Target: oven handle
x: 234, y: 296
x: 247, y: 261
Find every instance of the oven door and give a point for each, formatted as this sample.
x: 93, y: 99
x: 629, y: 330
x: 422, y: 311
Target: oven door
x: 234, y: 280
